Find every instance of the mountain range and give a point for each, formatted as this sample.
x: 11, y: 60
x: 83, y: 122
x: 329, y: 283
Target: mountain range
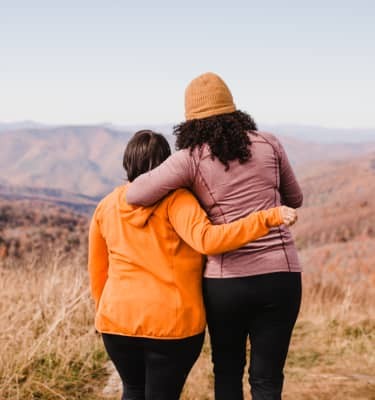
x: 335, y: 227
x: 52, y: 178
x: 312, y: 133
x: 87, y: 160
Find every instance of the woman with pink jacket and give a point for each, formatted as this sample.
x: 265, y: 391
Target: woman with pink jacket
x: 254, y: 291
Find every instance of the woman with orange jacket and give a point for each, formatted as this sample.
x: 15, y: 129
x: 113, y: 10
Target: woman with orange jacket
x: 145, y: 267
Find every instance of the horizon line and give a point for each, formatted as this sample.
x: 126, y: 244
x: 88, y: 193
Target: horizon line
x: 133, y: 124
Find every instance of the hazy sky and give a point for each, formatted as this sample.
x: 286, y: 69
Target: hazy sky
x: 309, y: 62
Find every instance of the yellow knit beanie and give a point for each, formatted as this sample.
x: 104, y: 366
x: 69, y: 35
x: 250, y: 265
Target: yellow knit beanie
x: 207, y: 95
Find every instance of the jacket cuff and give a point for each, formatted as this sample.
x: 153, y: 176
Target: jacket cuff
x: 274, y: 217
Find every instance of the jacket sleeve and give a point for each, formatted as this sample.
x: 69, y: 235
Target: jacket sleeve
x: 290, y: 190
x: 177, y: 171
x: 97, y: 261
x: 192, y: 224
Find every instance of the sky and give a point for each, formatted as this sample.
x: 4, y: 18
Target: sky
x: 128, y: 62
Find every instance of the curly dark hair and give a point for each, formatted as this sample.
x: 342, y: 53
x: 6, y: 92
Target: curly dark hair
x: 225, y: 134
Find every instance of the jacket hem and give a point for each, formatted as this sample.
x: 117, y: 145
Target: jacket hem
x: 292, y: 268
x: 109, y: 332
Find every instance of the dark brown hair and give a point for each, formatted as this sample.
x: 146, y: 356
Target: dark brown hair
x: 145, y: 151
x: 225, y: 134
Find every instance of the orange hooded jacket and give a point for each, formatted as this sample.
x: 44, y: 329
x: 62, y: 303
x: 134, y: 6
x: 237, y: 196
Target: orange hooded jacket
x: 145, y: 264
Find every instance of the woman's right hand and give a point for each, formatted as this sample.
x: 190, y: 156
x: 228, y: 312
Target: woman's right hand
x: 289, y: 215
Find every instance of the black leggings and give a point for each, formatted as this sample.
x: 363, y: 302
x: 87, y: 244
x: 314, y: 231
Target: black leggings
x: 263, y: 307
x: 153, y: 369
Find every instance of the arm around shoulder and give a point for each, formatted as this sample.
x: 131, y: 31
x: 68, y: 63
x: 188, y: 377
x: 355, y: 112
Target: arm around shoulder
x: 177, y: 171
x: 192, y: 224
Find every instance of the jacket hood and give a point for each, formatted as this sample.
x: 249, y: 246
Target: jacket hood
x: 134, y: 215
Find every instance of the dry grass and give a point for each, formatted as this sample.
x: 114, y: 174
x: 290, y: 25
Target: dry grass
x: 49, y: 348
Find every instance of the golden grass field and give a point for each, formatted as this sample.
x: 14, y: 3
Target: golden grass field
x: 50, y: 350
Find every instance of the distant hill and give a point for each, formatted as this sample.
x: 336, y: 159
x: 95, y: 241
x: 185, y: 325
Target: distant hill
x: 320, y: 134
x: 77, y: 202
x: 336, y: 227
x: 339, y: 202
x: 33, y: 227
x: 310, y: 133
x: 77, y: 159
x: 88, y: 159
x: 306, y: 154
